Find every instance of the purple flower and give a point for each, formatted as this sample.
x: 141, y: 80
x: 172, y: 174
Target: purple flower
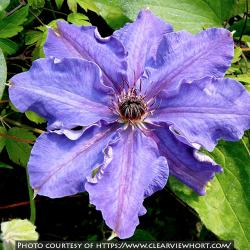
x: 145, y: 99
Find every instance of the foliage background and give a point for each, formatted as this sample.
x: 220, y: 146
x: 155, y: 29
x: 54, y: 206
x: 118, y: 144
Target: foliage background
x: 175, y: 213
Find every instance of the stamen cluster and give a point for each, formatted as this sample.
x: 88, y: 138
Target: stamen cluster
x: 131, y: 106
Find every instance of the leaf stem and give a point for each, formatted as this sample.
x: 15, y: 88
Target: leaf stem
x: 55, y: 11
x: 20, y: 57
x: 39, y: 20
x: 18, y: 124
x: 245, y: 49
x: 22, y: 3
x: 4, y: 101
x: 245, y: 146
x: 245, y: 60
x: 25, y: 203
x: 12, y: 137
x: 32, y: 201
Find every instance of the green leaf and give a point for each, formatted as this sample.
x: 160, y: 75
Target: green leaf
x: 245, y: 78
x: 246, y: 39
x: 8, y: 47
x: 17, y: 145
x: 32, y: 37
x: 36, y: 4
x: 2, y: 15
x: 88, y: 5
x: 247, y: 86
x: 59, y: 4
x: 183, y: 14
x: 239, y: 7
x: 225, y: 209
x: 244, y: 66
x: 4, y: 4
x: 2, y: 138
x: 17, y: 229
x: 4, y: 165
x: 12, y: 25
x: 234, y: 69
x: 37, y: 37
x: 223, y: 9
x: 237, y: 54
x: 32, y: 116
x: 111, y: 12
x: 3, y: 73
x: 72, y: 5
x: 242, y: 78
x: 78, y: 19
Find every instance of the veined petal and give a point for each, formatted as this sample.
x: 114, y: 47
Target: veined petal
x: 58, y: 166
x: 168, y: 44
x: 141, y: 39
x: 70, y: 40
x: 209, y: 53
x: 68, y: 92
x: 185, y: 163
x: 118, y: 190
x: 206, y: 110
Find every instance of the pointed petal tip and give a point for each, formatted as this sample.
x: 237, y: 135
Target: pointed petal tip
x: 219, y: 169
x: 202, y: 192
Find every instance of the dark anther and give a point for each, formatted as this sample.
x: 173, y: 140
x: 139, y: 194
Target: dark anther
x: 132, y: 109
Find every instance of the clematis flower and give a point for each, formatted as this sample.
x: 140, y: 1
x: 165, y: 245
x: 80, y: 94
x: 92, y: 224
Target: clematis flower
x: 126, y: 111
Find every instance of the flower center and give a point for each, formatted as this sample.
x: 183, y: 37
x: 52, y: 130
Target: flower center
x: 132, y: 108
